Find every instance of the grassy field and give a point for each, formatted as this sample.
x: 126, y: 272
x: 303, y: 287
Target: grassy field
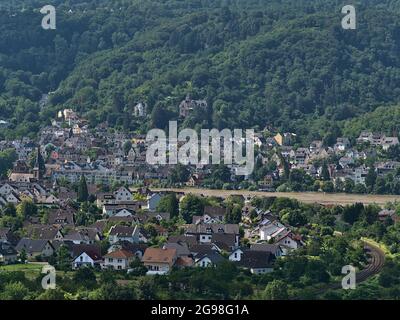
x: 31, y: 270
x: 306, y: 197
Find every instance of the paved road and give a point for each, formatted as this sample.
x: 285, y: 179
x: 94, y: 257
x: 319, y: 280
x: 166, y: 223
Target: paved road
x: 307, y: 197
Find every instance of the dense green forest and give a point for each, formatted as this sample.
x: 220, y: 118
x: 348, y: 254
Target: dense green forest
x: 286, y: 64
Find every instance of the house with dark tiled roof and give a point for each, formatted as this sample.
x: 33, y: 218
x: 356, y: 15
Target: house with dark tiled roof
x: 211, y: 214
x: 208, y: 259
x: 257, y: 262
x: 7, y: 253
x: 190, y: 240
x: 288, y: 241
x: 34, y: 248
x: 226, y: 241
x: 137, y: 249
x: 158, y: 215
x: 275, y: 249
x: 182, y: 249
x: 83, y: 235
x: 204, y: 231
x: 86, y: 255
x: 123, y: 233
x: 200, y: 249
x: 62, y: 217
x: 45, y: 232
x: 7, y: 236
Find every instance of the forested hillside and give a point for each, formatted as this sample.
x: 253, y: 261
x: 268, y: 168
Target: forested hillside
x: 287, y: 64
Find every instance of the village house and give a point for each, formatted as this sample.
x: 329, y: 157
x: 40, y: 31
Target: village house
x: 123, y: 233
x: 137, y: 249
x: 285, y: 139
x: 152, y: 201
x: 386, y: 214
x: 6, y: 235
x: 270, y: 229
x: 288, y: 242
x: 8, y: 254
x: 194, y: 180
x: 159, y: 261
x: 182, y: 248
x: 342, y: 144
x: 209, y: 259
x: 89, y: 257
x: 187, y: 106
x: 258, y: 262
x: 35, y: 248
x: 61, y: 217
x: 45, y: 232
x: 204, y: 232
x: 122, y: 195
x: 140, y: 109
x: 83, y: 235
x: 159, y: 216
x: 118, y: 260
x: 211, y: 214
x: 274, y: 249
x: 112, y: 209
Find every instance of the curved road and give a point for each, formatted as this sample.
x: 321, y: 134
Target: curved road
x: 306, y: 197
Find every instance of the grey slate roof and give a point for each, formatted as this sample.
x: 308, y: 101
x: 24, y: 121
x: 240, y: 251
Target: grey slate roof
x: 256, y: 259
x: 31, y: 245
x: 6, y: 249
x: 213, y: 228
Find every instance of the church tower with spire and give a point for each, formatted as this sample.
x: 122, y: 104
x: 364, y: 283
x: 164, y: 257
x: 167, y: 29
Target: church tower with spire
x: 39, y: 168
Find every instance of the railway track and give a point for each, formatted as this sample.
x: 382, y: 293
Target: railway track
x: 376, y: 261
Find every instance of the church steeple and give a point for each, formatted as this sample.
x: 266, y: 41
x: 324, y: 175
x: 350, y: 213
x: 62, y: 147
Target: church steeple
x: 39, y: 167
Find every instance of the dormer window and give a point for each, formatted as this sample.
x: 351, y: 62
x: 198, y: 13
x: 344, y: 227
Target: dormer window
x: 208, y: 230
x: 220, y: 230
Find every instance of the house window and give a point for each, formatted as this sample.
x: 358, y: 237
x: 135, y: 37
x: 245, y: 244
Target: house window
x: 81, y: 258
x: 235, y: 255
x: 110, y: 259
x: 119, y: 267
x: 119, y: 260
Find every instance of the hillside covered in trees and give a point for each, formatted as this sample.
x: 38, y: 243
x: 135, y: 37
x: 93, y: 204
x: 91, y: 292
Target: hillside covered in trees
x: 286, y: 64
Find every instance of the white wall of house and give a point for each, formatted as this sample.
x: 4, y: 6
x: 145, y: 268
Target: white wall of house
x: 288, y: 242
x: 123, y: 194
x: 236, y: 255
x: 204, y: 262
x: 205, y: 238
x: 82, y: 259
x: 156, y: 268
x: 117, y: 264
x: 123, y: 213
x: 261, y: 270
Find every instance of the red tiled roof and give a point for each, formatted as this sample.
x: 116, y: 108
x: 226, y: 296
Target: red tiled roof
x: 158, y: 255
x: 120, y: 254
